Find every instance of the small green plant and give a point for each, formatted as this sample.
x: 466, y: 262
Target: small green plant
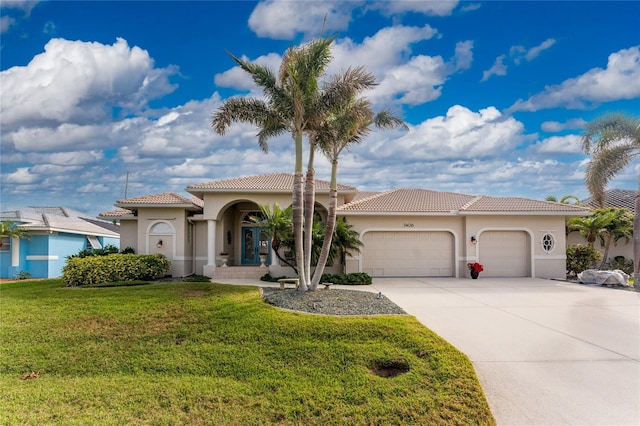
x: 105, y: 251
x: 23, y: 275
x: 580, y: 258
x: 128, y: 250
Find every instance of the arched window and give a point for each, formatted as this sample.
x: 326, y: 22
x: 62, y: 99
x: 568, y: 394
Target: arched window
x: 161, y: 228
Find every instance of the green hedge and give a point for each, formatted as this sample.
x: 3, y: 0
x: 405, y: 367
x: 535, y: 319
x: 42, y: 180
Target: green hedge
x: 80, y: 271
x: 581, y: 258
x: 354, y: 278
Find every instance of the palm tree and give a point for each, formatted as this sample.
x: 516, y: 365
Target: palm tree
x: 348, y: 124
x: 614, y: 140
x: 621, y: 226
x: 340, y: 89
x: 10, y: 229
x: 278, y: 226
x: 291, y: 102
x: 592, y: 227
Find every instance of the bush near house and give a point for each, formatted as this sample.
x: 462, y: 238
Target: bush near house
x: 105, y: 251
x: 96, y: 270
x: 354, y: 278
x: 580, y: 258
x: 623, y: 264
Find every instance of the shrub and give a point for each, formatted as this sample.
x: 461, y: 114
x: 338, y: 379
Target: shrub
x: 580, y: 258
x: 105, y: 251
x: 197, y: 279
x: 354, y: 278
x: 95, y: 270
x: 623, y: 264
x: 128, y: 250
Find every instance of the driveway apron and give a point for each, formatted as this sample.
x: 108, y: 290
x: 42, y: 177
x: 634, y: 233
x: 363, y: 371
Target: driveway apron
x: 546, y: 352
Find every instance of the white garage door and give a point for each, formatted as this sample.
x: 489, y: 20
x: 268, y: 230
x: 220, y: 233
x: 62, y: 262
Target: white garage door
x: 408, y: 254
x: 505, y: 254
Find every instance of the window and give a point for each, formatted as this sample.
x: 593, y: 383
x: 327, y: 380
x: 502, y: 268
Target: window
x: 4, y: 243
x: 93, y: 242
x: 548, y: 243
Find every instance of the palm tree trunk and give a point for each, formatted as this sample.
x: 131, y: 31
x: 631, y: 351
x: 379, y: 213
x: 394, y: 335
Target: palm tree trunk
x: 297, y: 208
x: 636, y: 240
x: 309, y: 204
x: 606, y: 251
x: 331, y: 226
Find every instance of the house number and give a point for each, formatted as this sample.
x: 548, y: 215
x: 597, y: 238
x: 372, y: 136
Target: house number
x: 408, y: 225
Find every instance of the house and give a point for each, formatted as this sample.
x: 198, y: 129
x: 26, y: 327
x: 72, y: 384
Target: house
x: 406, y: 232
x: 53, y: 234
x: 618, y: 198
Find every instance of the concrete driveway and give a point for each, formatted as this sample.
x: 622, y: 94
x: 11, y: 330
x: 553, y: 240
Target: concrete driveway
x: 546, y: 352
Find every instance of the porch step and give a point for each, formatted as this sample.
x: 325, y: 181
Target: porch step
x: 247, y: 272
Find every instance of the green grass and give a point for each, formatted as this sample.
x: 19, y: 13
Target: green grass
x: 202, y: 353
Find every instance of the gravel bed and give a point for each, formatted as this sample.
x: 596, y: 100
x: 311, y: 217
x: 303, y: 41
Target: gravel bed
x: 331, y: 302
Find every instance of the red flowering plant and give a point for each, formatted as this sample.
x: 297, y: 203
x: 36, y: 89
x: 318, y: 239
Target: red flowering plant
x: 475, y: 267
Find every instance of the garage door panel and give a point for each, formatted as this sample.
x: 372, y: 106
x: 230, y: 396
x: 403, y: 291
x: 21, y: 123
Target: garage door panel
x: 505, y: 254
x: 417, y: 253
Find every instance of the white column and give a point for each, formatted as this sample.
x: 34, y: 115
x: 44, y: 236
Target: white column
x: 210, y: 267
x: 15, y: 252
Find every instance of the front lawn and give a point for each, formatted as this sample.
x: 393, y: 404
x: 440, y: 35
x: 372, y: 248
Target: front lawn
x: 202, y: 353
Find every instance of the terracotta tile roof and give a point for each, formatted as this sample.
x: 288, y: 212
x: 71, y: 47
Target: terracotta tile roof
x: 365, y: 194
x: 164, y: 199
x: 427, y: 201
x: 115, y: 213
x: 268, y: 182
x: 619, y: 198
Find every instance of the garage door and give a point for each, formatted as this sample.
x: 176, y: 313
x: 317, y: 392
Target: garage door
x: 505, y: 254
x: 408, y: 254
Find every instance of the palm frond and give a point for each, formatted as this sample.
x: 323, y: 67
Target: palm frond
x: 609, y: 129
x: 245, y: 110
x: 605, y: 165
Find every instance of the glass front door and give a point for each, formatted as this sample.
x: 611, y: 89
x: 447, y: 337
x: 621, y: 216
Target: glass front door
x: 254, y: 242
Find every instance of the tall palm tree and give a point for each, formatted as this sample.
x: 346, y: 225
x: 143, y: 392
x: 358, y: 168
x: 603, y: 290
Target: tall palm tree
x: 614, y: 140
x: 278, y: 226
x: 340, y: 89
x: 289, y: 105
x: 348, y: 124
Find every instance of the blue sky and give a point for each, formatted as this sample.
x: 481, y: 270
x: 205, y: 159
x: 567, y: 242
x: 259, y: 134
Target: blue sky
x: 495, y: 93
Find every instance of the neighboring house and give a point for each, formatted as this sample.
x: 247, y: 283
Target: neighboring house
x: 619, y: 198
x: 53, y: 234
x: 406, y: 232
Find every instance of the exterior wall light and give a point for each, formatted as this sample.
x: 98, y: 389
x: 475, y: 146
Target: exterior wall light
x: 473, y: 240
x: 159, y: 245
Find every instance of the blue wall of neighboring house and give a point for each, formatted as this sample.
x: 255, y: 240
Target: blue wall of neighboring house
x: 44, y: 256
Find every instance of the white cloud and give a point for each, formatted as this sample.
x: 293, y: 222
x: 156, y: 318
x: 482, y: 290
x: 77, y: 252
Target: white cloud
x: 535, y: 51
x: 6, y: 22
x: 63, y: 138
x: 24, y: 5
x: 280, y: 19
x: 498, y: 68
x: 618, y: 81
x: 556, y: 126
x: 460, y: 134
x: 429, y: 8
x: 387, y: 54
x: 570, y: 144
x: 79, y: 82
x: 21, y: 176
x: 239, y: 79
x: 49, y: 28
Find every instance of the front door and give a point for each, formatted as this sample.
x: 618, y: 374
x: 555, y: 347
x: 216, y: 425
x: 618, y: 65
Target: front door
x: 254, y: 242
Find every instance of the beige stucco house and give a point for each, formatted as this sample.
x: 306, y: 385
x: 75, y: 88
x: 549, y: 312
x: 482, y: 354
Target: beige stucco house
x: 406, y: 232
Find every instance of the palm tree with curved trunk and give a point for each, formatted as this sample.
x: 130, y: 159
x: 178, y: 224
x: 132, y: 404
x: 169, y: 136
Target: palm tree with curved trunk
x: 348, y: 124
x: 291, y: 101
x: 614, y: 140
